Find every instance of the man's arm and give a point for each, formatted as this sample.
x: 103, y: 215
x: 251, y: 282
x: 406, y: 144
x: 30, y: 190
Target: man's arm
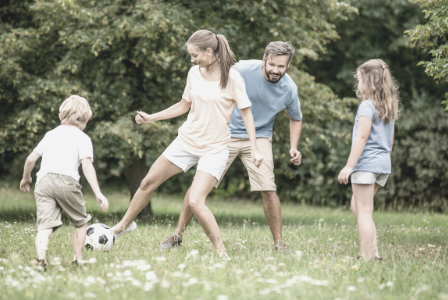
x: 295, y: 130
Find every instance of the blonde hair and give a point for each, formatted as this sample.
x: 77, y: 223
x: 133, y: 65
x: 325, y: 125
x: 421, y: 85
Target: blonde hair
x: 74, y: 111
x: 204, y: 39
x: 377, y: 83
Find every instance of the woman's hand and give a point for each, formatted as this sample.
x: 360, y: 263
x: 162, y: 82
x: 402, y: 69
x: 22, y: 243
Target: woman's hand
x: 257, y: 158
x: 142, y: 117
x: 345, y: 174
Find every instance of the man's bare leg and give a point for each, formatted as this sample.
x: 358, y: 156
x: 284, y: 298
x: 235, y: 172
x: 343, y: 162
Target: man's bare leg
x: 160, y: 171
x: 185, y: 215
x: 273, y: 213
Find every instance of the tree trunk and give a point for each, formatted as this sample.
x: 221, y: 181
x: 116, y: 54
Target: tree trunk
x: 135, y: 173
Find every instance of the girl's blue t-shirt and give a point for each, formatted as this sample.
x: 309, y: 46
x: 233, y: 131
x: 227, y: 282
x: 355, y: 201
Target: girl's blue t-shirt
x: 375, y: 158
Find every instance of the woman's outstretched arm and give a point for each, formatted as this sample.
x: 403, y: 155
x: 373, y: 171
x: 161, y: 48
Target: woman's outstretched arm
x: 171, y: 112
x: 246, y: 115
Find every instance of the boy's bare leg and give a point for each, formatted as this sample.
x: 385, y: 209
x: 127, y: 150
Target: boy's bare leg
x: 185, y: 215
x: 160, y: 171
x: 273, y: 213
x: 79, y: 238
x: 363, y: 195
x: 41, y: 242
x: 199, y: 190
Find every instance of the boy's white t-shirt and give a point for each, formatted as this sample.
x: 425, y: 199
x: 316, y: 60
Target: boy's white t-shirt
x: 62, y: 150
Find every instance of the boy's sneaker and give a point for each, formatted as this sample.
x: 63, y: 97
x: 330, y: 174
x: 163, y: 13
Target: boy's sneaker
x: 127, y: 230
x: 282, y: 247
x: 171, y: 242
x: 42, y: 263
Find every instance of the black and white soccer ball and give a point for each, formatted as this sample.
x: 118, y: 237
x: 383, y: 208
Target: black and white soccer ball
x: 99, y: 237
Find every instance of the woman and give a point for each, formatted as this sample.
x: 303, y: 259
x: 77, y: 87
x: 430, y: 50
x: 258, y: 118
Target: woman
x: 212, y: 91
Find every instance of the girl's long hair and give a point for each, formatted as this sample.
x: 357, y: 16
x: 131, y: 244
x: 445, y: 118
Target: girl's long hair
x: 377, y: 83
x: 204, y: 39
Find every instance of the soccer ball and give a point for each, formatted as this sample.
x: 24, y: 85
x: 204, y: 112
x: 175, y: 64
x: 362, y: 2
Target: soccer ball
x: 99, y: 237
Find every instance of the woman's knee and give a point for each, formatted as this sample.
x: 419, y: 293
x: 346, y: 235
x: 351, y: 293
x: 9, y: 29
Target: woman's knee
x: 147, y: 183
x: 195, y: 203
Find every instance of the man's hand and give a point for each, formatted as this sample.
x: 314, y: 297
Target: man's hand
x: 257, y: 158
x: 345, y: 174
x: 296, y: 156
x: 102, y: 200
x: 25, y: 184
x: 142, y: 117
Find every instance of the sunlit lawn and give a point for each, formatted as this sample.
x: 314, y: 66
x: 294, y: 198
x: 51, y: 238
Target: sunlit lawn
x: 322, y: 264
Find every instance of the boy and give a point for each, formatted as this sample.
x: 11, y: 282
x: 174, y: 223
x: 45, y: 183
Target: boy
x: 63, y: 149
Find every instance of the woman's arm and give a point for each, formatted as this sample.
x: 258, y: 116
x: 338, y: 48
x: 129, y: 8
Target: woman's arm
x: 364, y: 127
x: 171, y: 112
x: 248, y: 119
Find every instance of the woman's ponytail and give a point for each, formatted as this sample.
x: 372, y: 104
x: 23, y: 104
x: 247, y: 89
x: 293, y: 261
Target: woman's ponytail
x: 204, y: 39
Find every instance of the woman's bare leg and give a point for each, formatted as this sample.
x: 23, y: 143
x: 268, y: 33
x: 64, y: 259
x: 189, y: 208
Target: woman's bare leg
x: 160, y: 171
x: 185, y: 215
x: 199, y: 190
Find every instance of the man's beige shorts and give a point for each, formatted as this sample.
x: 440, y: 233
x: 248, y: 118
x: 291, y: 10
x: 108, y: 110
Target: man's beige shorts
x: 56, y: 193
x: 262, y: 178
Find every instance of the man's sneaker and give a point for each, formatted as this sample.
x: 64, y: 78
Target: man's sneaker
x: 282, y: 247
x: 74, y: 263
x: 171, y: 242
x: 127, y: 230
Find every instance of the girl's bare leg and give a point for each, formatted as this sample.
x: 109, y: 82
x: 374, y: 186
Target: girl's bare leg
x: 160, y: 171
x: 79, y: 239
x: 199, y: 190
x: 355, y: 212
x: 363, y: 196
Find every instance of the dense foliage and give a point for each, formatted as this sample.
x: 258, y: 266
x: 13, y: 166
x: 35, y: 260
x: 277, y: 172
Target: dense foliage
x: 129, y: 55
x: 432, y: 38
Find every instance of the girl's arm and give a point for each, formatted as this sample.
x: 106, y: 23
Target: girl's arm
x: 29, y: 165
x: 171, y: 112
x: 393, y: 137
x: 248, y: 119
x: 364, y: 127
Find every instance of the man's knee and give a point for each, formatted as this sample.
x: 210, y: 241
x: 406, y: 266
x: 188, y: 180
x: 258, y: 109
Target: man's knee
x: 269, y: 195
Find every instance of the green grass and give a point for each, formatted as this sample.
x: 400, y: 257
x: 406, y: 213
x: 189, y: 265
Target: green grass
x: 322, y: 264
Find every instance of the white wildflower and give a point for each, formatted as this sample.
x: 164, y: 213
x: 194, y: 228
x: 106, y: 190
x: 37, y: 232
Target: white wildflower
x: 351, y: 288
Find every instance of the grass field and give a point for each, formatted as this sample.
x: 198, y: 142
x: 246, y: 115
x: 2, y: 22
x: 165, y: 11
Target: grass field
x: 322, y: 264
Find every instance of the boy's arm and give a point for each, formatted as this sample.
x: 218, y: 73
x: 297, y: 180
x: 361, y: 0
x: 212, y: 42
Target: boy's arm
x: 90, y: 174
x: 29, y: 165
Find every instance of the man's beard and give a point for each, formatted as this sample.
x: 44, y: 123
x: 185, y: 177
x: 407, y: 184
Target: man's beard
x: 280, y: 76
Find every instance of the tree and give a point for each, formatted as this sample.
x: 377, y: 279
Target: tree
x: 433, y: 39
x: 128, y: 55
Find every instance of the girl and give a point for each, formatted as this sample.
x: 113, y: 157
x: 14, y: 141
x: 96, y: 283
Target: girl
x: 212, y: 91
x: 369, y: 162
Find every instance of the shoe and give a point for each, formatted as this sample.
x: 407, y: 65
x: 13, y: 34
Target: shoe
x: 171, y: 242
x: 74, y: 263
x: 282, y: 247
x: 42, y: 263
x: 378, y: 259
x: 127, y: 230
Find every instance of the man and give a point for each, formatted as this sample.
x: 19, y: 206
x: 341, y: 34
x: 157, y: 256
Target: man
x: 270, y: 90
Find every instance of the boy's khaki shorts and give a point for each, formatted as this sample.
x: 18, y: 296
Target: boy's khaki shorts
x: 262, y: 178
x: 56, y: 193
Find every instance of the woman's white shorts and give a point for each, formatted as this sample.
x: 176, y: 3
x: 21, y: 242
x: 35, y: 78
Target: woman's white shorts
x: 213, y: 164
x: 363, y: 177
